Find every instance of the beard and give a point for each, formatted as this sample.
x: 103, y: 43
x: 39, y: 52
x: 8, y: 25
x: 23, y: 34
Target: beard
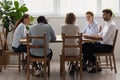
x: 105, y: 19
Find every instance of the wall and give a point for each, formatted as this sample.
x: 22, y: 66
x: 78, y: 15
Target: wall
x: 57, y: 22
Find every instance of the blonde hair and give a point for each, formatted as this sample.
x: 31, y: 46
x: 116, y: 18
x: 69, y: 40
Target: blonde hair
x: 70, y: 18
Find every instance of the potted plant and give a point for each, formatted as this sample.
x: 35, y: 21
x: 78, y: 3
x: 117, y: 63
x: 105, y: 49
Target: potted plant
x: 10, y: 12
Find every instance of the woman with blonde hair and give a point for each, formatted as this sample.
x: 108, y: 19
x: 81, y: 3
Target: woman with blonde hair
x: 70, y: 29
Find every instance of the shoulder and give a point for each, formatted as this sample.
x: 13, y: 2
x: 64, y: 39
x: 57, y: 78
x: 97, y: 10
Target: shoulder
x: 113, y: 25
x: 95, y: 22
x: 64, y: 26
x: 33, y: 26
x: 76, y: 26
x: 21, y: 26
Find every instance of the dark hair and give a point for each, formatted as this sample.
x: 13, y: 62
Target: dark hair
x: 21, y: 20
x: 70, y: 18
x: 108, y: 11
x: 89, y: 12
x: 42, y: 19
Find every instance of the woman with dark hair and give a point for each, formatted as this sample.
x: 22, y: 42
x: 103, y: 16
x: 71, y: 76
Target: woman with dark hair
x: 19, y: 33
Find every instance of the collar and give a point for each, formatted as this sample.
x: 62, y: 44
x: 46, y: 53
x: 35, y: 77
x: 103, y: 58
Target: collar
x: 91, y: 23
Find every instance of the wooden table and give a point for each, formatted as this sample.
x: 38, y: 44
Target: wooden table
x: 59, y: 40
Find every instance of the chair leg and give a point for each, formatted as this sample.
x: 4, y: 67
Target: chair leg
x: 5, y: 62
x: 45, y: 71
x: 48, y: 68
x: 110, y: 62
x: 32, y: 68
x: 1, y: 61
x: 97, y: 58
x: 80, y: 69
x: 19, y: 65
x: 22, y: 54
x: 77, y: 68
x: 114, y: 62
x: 28, y: 72
x: 61, y: 65
x: 106, y: 60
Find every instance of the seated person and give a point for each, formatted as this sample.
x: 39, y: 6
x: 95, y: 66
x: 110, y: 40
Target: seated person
x: 38, y: 30
x: 19, y: 33
x: 106, y: 37
x: 91, y: 27
x: 71, y: 29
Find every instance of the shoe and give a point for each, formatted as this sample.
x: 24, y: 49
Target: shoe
x: 72, y: 72
x: 73, y: 69
x: 84, y: 68
x: 37, y: 73
x: 99, y: 69
x: 94, y: 70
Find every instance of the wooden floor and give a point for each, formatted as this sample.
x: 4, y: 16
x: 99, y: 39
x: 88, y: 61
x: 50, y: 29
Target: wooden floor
x: 106, y: 74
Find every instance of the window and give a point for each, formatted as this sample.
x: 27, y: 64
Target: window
x: 39, y: 6
x: 61, y: 7
x: 78, y: 6
x: 111, y: 4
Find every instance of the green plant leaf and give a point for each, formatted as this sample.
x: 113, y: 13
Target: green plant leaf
x: 23, y: 9
x: 10, y: 13
x: 16, y: 4
x: 5, y: 22
x: 31, y: 18
x: 27, y: 27
x: 1, y: 4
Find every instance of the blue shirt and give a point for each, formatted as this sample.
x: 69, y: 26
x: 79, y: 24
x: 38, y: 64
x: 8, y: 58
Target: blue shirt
x: 91, y: 29
x: 39, y: 30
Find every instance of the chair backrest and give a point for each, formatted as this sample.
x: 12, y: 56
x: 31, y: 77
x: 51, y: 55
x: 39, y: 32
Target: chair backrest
x: 29, y: 44
x: 114, y: 41
x: 78, y: 45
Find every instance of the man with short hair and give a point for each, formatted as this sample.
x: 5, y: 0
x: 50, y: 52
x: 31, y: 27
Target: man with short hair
x: 105, y: 37
x: 39, y: 30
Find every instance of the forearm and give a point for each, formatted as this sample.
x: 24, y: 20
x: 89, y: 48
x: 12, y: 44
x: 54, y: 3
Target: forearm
x: 95, y: 37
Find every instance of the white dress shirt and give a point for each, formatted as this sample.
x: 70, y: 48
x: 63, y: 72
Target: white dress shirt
x: 20, y: 32
x: 108, y: 33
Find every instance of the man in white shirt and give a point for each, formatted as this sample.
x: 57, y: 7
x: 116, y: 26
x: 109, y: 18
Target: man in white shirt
x: 106, y: 37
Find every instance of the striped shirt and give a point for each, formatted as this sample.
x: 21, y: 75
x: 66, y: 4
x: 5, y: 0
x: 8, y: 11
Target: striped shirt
x: 20, y: 32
